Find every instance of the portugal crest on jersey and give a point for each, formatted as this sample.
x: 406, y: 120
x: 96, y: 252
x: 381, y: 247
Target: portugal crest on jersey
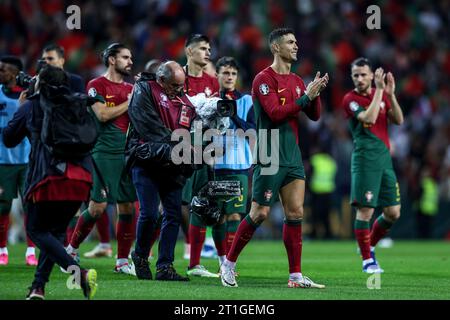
x: 264, y: 89
x: 92, y: 92
x: 208, y: 91
x: 354, y: 106
x: 297, y: 89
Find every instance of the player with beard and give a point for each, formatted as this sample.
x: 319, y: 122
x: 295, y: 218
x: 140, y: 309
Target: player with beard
x: 111, y: 182
x: 374, y: 183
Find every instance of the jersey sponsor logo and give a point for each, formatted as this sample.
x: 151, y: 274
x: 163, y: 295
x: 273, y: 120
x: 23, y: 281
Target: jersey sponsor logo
x: 354, y: 106
x: 92, y: 92
x: 298, y: 90
x: 281, y: 90
x: 369, y: 196
x: 208, y: 91
x: 264, y: 89
x: 109, y: 97
x: 268, y: 195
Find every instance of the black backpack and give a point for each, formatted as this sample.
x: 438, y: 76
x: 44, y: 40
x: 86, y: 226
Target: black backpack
x: 69, y: 130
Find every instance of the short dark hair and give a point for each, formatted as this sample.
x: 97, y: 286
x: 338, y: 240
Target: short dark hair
x: 13, y: 60
x: 196, y: 38
x: 361, y: 62
x: 53, y: 76
x: 112, y: 50
x: 54, y: 47
x: 278, y: 33
x: 226, y: 61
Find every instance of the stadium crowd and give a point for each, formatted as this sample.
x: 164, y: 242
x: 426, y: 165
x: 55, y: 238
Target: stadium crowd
x: 331, y: 34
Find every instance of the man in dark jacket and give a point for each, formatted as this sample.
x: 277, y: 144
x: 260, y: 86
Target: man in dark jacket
x: 158, y: 107
x: 54, y: 189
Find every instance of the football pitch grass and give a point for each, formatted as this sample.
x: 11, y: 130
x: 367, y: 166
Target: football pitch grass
x: 413, y: 270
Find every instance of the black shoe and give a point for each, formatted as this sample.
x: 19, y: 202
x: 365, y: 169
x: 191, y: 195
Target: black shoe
x: 141, y: 266
x: 168, y: 273
x: 36, y: 293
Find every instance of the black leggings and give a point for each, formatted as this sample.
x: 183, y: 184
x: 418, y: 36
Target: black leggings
x: 47, y: 224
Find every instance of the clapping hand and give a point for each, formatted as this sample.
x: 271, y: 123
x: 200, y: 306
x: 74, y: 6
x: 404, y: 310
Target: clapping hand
x: 316, y: 86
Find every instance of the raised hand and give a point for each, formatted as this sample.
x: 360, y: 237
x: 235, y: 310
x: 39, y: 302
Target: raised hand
x: 379, y: 78
x: 390, y: 84
x: 316, y: 86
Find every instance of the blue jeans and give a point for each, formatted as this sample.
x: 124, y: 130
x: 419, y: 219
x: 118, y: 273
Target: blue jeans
x: 149, y: 192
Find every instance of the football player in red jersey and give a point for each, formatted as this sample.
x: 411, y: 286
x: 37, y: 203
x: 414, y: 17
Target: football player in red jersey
x: 278, y: 97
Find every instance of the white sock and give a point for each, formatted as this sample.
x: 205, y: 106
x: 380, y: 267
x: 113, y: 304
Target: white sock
x: 122, y: 261
x: 229, y: 264
x: 4, y: 250
x: 105, y: 245
x: 71, y: 249
x: 30, y: 251
x: 295, y: 276
x: 370, y: 260
x: 221, y: 259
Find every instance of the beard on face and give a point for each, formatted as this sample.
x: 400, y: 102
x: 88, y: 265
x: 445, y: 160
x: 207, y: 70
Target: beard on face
x: 123, y: 71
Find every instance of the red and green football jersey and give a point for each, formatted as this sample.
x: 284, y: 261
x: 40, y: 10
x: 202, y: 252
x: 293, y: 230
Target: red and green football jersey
x: 275, y: 100
x: 112, y: 134
x: 205, y: 84
x: 371, y: 142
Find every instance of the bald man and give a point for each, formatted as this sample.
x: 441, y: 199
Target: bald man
x: 158, y: 107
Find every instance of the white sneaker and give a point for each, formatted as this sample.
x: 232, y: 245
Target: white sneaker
x: 228, y: 276
x: 126, y: 268
x: 371, y: 266
x: 304, y: 282
x: 99, y: 251
x: 200, y: 271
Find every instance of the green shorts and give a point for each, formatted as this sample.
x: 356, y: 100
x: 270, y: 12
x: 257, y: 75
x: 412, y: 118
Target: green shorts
x: 266, y: 188
x: 120, y: 188
x: 12, y: 181
x: 198, y: 179
x: 375, y: 189
x: 235, y: 204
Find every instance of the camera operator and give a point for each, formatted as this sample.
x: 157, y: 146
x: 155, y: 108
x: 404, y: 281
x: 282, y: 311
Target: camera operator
x: 157, y: 107
x: 55, y: 188
x: 54, y: 56
x: 234, y: 166
x: 13, y: 162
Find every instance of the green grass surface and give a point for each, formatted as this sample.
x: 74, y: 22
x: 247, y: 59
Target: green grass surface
x: 413, y: 270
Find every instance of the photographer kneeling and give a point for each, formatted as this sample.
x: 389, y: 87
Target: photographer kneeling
x: 56, y: 183
x: 157, y: 108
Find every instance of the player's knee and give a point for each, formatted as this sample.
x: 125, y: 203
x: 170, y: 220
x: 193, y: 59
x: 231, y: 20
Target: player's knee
x: 260, y: 215
x: 364, y: 214
x: 234, y: 217
x: 393, y: 214
x: 294, y: 213
x: 96, y: 209
x: 126, y: 208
